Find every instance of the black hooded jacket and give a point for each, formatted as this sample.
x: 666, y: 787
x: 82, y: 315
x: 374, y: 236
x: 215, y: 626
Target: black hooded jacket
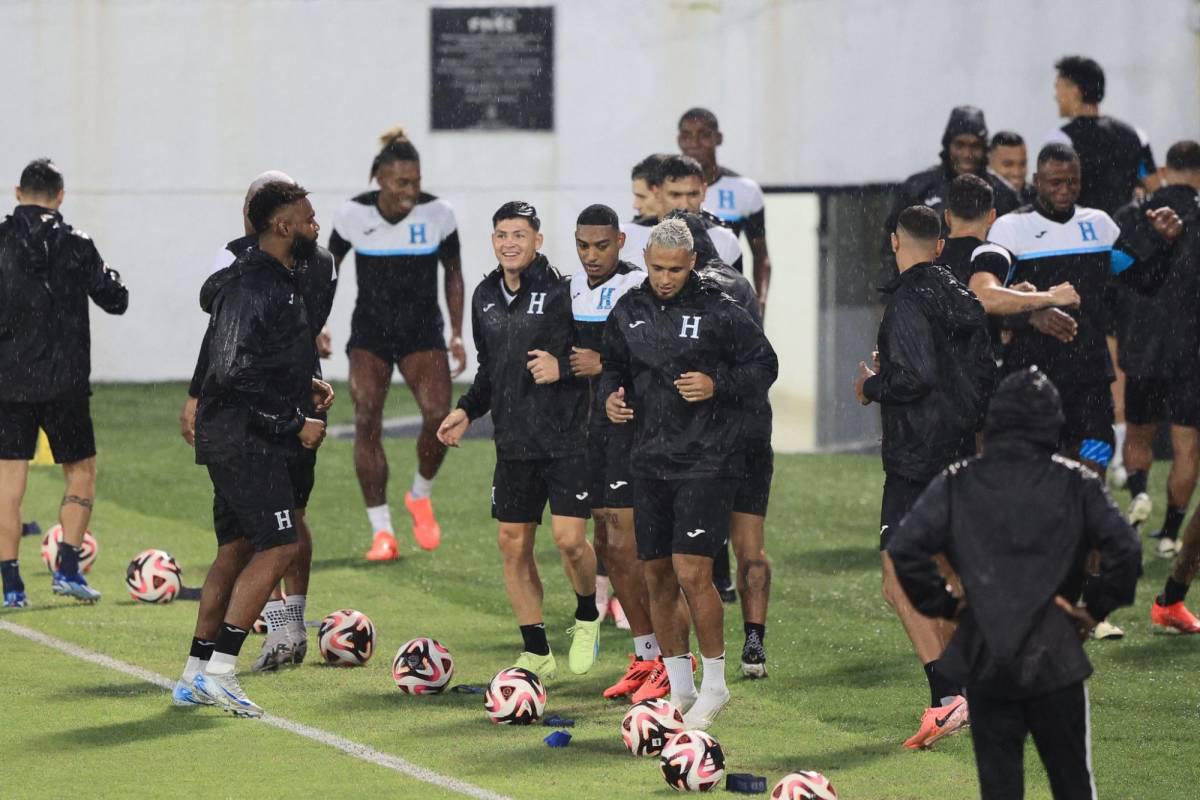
x: 532, y: 421
x: 48, y: 271
x: 1017, y: 524
x: 936, y: 372
x: 930, y: 187
x: 649, y: 343
x: 1160, y: 336
x: 260, y: 357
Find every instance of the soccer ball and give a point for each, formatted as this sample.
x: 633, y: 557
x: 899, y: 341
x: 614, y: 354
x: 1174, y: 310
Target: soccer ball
x: 804, y: 786
x: 648, y: 725
x: 422, y: 666
x: 53, y: 538
x: 692, y: 761
x: 347, y: 638
x: 153, y: 577
x: 515, y: 697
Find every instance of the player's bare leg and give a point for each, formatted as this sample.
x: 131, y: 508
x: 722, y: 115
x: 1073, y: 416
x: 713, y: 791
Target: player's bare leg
x: 427, y: 374
x: 747, y: 533
x: 695, y: 577
x: 370, y: 379
x: 74, y: 515
x: 1181, y: 483
x: 13, y: 476
x: 579, y: 563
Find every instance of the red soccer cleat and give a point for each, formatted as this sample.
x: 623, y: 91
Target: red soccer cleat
x: 426, y: 530
x: 939, y: 722
x: 383, y: 548
x: 657, y: 684
x: 636, y: 674
x: 1174, y: 616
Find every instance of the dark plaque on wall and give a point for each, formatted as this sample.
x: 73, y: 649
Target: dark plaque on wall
x: 492, y: 68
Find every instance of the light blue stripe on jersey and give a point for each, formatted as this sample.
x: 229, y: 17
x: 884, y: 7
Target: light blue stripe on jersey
x: 1070, y: 251
x: 727, y: 216
x: 401, y: 251
x: 591, y: 317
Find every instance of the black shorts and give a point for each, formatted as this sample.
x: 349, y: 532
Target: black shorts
x: 520, y: 489
x: 689, y: 517
x: 597, y: 459
x: 754, y: 491
x: 1175, y: 399
x: 899, y: 496
x: 1088, y: 411
x: 612, y: 477
x: 303, y: 471
x: 67, y: 421
x: 253, y: 499
x: 394, y: 337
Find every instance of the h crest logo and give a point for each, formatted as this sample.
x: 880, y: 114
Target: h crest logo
x: 283, y: 519
x: 1088, y: 231
x: 606, y: 296
x: 416, y: 233
x: 691, y: 328
x: 536, y: 302
x: 725, y: 198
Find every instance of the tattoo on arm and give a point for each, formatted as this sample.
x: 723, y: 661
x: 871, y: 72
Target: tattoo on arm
x: 75, y: 499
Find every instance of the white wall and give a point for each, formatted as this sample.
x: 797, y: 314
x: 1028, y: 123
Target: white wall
x: 160, y: 111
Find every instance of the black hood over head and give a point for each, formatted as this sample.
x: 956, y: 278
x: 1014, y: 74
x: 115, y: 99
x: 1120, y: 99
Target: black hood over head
x: 1026, y: 406
x: 964, y: 119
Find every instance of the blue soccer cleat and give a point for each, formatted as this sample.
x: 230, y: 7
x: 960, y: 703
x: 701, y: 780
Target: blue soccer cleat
x: 184, y: 697
x: 15, y: 600
x: 74, y: 586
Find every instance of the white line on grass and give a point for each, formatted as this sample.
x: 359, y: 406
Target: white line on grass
x: 359, y: 751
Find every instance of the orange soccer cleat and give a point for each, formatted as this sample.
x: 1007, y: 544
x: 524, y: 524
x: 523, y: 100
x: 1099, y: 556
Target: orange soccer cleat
x: 426, y: 530
x: 939, y: 722
x: 1174, y: 616
x: 636, y: 674
x: 657, y: 683
x: 383, y: 548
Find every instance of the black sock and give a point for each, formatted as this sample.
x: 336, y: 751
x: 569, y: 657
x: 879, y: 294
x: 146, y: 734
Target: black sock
x: 1136, y: 482
x: 721, y: 567
x: 534, y: 638
x: 11, y: 573
x: 754, y: 627
x: 585, y: 607
x: 229, y: 640
x: 1173, y: 522
x: 68, y: 559
x: 1173, y: 592
x: 202, y: 649
x: 939, y: 687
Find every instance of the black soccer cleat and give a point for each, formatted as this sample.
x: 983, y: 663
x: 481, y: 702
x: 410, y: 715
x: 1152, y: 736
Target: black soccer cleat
x: 754, y: 657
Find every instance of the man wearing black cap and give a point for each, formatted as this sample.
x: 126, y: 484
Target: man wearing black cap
x: 964, y: 151
x: 1016, y: 524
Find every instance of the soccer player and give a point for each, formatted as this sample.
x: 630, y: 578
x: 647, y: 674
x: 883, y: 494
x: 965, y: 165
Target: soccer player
x: 399, y: 234
x: 932, y: 379
x: 524, y: 329
x: 249, y: 427
x: 734, y: 198
x: 287, y: 639
x: 646, y: 180
x: 681, y: 360
x: 48, y: 271
x: 1016, y: 525
x: 1008, y: 158
x: 683, y: 189
x: 964, y: 151
x: 595, y: 289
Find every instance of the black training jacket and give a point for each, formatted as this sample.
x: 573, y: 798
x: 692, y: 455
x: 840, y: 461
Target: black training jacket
x: 649, y: 343
x: 1162, y: 335
x: 532, y: 421
x: 936, y: 372
x: 260, y: 355
x: 1017, y: 524
x: 317, y: 282
x: 48, y: 271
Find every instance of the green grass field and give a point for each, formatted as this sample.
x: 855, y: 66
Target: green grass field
x: 844, y: 692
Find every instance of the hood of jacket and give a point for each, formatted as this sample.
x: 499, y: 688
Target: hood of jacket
x: 250, y: 261
x: 963, y: 119
x: 1025, y: 408
x: 945, y: 297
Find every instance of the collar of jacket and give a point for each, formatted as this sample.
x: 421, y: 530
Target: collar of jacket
x: 689, y: 288
x: 1061, y: 217
x: 1177, y: 196
x: 255, y: 256
x: 909, y: 274
x: 242, y: 244
x: 36, y: 214
x: 536, y: 270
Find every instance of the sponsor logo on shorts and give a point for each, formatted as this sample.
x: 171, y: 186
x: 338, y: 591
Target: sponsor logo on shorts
x: 639, y: 322
x: 695, y: 533
x: 488, y: 307
x: 581, y: 496
x: 618, y: 484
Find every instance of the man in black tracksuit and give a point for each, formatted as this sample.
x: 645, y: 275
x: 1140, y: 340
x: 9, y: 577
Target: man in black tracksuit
x: 682, y: 360
x: 250, y: 426
x: 933, y: 377
x: 964, y: 151
x: 1017, y: 524
x: 524, y: 330
x: 48, y: 272
x: 316, y: 279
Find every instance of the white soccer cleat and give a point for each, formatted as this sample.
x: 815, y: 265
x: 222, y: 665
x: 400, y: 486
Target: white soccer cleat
x: 184, y: 697
x: 1106, y: 630
x: 276, y: 651
x: 1167, y: 548
x: 1140, y: 509
x: 1117, y: 476
x: 225, y: 691
x: 704, y: 711
x: 298, y: 638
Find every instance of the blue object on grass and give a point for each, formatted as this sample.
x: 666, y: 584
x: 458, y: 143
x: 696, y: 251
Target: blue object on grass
x: 558, y: 739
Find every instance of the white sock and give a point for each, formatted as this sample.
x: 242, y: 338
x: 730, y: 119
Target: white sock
x: 295, y: 609
x: 646, y: 647
x: 192, y: 668
x: 381, y: 518
x: 679, y: 674
x: 221, y: 664
x: 1119, y: 435
x: 421, y: 486
x: 275, y: 614
x: 714, y: 675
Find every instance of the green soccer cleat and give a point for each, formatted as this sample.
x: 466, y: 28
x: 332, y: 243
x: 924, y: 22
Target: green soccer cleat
x: 585, y: 646
x: 544, y: 667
